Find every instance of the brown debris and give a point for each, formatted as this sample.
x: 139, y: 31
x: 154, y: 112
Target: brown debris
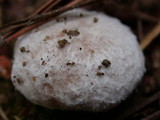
x: 14, y: 76
x: 99, y: 67
x: 70, y: 63
x: 64, y: 31
x: 65, y: 20
x: 62, y: 43
x: 91, y: 51
x: 27, y: 51
x: 81, y: 15
x: 95, y: 20
x: 19, y: 81
x: 22, y: 49
x: 24, y: 64
x: 47, y: 38
x: 73, y: 32
x: 70, y: 37
x: 34, y: 78
x: 106, y: 63
x: 43, y: 62
x: 37, y: 30
x: 57, y: 20
x: 46, y: 75
x: 100, y: 74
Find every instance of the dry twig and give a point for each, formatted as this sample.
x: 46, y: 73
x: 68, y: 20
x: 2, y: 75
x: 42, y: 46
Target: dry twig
x: 37, y: 19
x: 150, y: 36
x: 135, y: 104
x: 154, y: 116
x: 134, y: 12
x: 144, y: 16
x: 140, y: 29
x: 3, y: 115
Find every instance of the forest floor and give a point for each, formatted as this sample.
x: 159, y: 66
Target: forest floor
x: 142, y: 16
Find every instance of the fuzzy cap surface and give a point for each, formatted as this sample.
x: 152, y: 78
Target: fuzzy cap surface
x: 82, y: 60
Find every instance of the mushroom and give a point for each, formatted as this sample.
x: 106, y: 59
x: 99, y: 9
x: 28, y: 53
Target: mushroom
x: 90, y: 62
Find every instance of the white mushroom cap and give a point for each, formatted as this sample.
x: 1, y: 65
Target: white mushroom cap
x: 81, y: 61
